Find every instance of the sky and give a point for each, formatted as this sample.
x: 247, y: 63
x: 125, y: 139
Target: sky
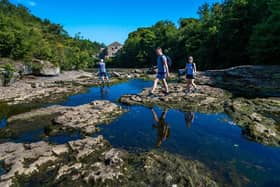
x: 110, y: 20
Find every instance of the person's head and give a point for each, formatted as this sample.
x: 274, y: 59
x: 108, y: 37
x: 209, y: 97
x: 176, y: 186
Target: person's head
x: 159, y: 51
x: 190, y: 59
x: 102, y: 60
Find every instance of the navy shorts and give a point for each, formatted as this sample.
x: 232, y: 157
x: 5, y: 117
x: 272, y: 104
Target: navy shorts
x: 190, y: 77
x: 161, y: 75
x: 102, y: 74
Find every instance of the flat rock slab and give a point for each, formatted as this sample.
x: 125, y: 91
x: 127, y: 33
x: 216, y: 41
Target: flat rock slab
x: 260, y: 118
x: 204, y: 99
x: 84, y: 118
x: 250, y: 81
x: 32, y: 88
x: 28, y: 159
x: 91, y: 161
x: 165, y: 169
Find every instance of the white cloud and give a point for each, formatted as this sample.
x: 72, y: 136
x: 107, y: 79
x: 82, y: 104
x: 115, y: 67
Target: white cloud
x: 32, y: 3
x: 27, y: 2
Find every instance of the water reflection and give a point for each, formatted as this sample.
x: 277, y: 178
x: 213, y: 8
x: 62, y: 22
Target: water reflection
x: 104, y: 91
x: 3, y: 123
x: 161, y: 125
x: 189, y: 118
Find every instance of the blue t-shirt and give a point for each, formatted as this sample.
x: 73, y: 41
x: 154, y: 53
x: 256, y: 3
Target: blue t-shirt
x: 160, y: 64
x: 190, y: 69
x: 102, y: 67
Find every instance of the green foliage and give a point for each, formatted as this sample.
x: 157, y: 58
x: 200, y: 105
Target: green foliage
x: 9, y: 70
x: 226, y: 34
x: 265, y: 40
x: 24, y: 37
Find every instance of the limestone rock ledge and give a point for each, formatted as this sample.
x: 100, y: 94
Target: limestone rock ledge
x: 205, y: 99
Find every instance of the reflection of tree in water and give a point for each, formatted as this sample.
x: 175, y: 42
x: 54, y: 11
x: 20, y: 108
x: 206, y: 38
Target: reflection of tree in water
x: 162, y: 126
x: 189, y: 118
x: 104, y: 91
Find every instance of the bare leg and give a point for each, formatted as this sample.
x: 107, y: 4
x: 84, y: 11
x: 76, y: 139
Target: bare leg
x: 164, y: 113
x: 155, y: 85
x: 165, y: 85
x: 193, y: 84
x: 107, y: 79
x: 188, y: 85
x: 155, y: 115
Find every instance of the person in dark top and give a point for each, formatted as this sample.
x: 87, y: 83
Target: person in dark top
x: 102, y: 71
x: 162, y: 71
x: 190, y: 73
x: 162, y: 126
x: 189, y: 118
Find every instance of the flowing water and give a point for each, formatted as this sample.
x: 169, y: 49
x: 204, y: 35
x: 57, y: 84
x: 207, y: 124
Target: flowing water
x: 213, y: 139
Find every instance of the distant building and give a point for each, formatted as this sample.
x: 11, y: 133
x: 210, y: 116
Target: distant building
x: 111, y: 50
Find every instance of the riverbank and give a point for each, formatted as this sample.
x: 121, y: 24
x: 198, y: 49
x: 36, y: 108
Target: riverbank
x: 37, y: 88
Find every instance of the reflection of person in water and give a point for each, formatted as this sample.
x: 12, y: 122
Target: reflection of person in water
x: 162, y: 127
x: 104, y: 92
x: 189, y: 118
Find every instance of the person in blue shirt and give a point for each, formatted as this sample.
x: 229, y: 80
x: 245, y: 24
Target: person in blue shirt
x: 190, y: 73
x: 162, y: 70
x: 102, y: 71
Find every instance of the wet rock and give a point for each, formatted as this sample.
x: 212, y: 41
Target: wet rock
x: 86, y: 146
x: 111, y: 169
x: 91, y: 161
x: 59, y: 119
x: 66, y: 170
x: 259, y: 118
x: 164, y: 169
x: 86, y: 117
x: 25, y: 160
x: 252, y: 81
x: 60, y: 149
x: 116, y: 74
x: 138, y: 71
x: 204, y: 99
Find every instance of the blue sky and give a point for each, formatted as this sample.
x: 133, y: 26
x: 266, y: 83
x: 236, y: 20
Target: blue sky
x: 110, y: 20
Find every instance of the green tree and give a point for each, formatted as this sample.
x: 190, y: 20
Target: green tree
x: 265, y: 41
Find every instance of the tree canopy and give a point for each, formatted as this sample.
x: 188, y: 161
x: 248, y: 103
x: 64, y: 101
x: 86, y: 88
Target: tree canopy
x: 24, y: 37
x: 231, y: 33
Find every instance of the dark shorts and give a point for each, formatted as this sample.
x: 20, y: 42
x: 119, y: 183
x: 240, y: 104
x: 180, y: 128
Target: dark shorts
x: 161, y: 75
x: 102, y: 74
x: 190, y: 77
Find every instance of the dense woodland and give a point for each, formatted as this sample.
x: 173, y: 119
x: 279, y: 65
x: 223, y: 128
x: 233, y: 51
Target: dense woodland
x: 226, y: 34
x: 24, y: 37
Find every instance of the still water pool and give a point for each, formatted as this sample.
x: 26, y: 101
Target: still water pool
x: 213, y: 139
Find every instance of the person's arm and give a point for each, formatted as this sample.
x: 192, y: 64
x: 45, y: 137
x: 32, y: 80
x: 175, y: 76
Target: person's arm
x: 166, y: 66
x: 186, y: 68
x: 194, y: 67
